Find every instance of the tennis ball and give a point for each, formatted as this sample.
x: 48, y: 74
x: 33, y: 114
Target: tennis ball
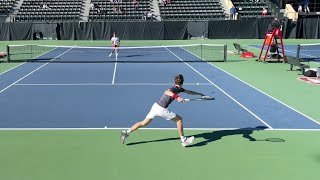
x: 198, y: 83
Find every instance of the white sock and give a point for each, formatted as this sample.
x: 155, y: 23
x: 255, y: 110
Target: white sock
x: 129, y: 131
x: 183, y: 138
x: 116, y: 55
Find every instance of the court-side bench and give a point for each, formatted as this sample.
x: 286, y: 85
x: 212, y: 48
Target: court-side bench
x: 239, y: 48
x: 296, y: 62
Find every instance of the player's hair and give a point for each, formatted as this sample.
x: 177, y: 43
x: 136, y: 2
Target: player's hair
x: 178, y: 79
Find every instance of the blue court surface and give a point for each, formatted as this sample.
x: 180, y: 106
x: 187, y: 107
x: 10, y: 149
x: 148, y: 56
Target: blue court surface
x: 307, y: 53
x: 116, y: 95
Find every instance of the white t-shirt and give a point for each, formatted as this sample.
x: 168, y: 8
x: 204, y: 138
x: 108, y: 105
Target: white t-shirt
x: 115, y: 40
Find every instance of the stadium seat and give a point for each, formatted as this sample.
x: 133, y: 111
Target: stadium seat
x: 251, y: 9
x: 239, y: 48
x: 130, y: 13
x: 58, y: 10
x: 192, y: 10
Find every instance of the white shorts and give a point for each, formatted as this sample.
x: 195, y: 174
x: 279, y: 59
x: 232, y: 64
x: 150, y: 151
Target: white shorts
x: 158, y: 111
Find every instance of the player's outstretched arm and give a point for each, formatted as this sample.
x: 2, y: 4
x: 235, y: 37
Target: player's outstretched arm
x: 193, y: 92
x: 170, y: 93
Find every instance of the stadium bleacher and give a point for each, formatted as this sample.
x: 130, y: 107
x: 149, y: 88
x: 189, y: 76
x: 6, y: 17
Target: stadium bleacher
x: 192, y: 10
x: 251, y: 9
x: 6, y: 6
x: 126, y: 10
x: 109, y: 10
x: 50, y: 10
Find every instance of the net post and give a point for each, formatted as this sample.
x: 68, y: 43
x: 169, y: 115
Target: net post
x: 225, y: 53
x: 8, y: 53
x: 298, y: 52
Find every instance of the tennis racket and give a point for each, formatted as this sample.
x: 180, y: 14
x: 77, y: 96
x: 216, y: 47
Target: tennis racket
x: 203, y: 98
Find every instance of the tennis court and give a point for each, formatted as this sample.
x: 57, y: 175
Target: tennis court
x: 73, y: 102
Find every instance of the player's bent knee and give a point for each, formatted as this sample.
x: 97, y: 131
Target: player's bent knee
x: 177, y: 118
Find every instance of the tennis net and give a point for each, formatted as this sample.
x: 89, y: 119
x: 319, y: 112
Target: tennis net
x: 146, y: 54
x: 308, y: 52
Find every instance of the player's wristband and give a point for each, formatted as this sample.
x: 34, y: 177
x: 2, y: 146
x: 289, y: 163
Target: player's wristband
x: 175, y: 96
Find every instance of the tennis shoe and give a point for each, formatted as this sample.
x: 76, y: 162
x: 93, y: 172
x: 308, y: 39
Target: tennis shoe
x: 123, y: 136
x: 188, y: 141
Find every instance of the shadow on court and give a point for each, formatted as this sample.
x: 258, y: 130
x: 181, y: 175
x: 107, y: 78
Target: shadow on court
x: 135, y: 55
x: 217, y: 135
x: 317, y: 158
x: 158, y: 140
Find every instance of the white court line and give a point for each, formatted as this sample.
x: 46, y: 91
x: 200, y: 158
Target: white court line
x: 262, y: 91
x: 114, y: 71
x: 33, y: 71
x: 25, y: 62
x: 108, y: 84
x: 311, y: 119
x: 223, y: 91
x: 310, y: 44
x: 160, y: 129
x: 12, y: 68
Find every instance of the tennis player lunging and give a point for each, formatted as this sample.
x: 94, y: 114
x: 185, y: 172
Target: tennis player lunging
x: 159, y: 109
x: 115, y: 40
